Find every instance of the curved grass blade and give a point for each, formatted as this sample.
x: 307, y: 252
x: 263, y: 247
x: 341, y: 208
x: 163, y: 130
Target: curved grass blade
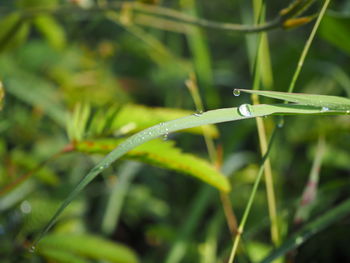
x: 309, y: 230
x: 331, y: 102
x: 245, y: 111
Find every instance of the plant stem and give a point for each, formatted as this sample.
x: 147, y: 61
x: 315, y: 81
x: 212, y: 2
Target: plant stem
x: 307, y: 46
x: 159, y: 11
x: 225, y: 200
x: 259, y: 8
x: 251, y: 199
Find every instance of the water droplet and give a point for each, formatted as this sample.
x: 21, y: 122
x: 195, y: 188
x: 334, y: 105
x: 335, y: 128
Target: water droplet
x: 245, y: 110
x: 236, y: 92
x: 166, y: 133
x: 198, y: 113
x: 299, y: 240
x: 32, y: 249
x: 26, y: 207
x: 324, y: 109
x: 280, y: 124
x: 105, y: 166
x: 348, y: 112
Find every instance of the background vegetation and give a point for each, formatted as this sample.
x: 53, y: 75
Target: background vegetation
x: 80, y: 76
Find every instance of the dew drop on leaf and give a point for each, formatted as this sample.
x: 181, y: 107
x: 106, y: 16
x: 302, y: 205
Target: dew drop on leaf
x: 198, y: 113
x: 299, y: 240
x: 324, y: 109
x: 245, y: 110
x: 236, y: 92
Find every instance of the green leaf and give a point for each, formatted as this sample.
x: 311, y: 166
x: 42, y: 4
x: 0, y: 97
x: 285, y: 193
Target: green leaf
x: 77, y: 123
x: 61, y: 256
x: 162, y: 154
x: 309, y: 196
x: 335, y: 29
x: 209, y: 117
x: 51, y: 30
x: 43, y: 94
x: 309, y: 230
x: 14, y: 31
x: 334, y: 103
x: 89, y: 246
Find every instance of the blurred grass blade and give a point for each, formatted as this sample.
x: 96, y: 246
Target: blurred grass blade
x: 2, y: 95
x: 14, y: 31
x: 89, y: 246
x: 59, y: 256
x: 210, y: 246
x: 335, y: 214
x: 197, y: 209
x: 332, y: 102
x: 198, y: 44
x: 43, y: 95
x: 116, y: 198
x: 309, y: 195
x: 335, y: 29
x: 210, y: 117
x: 51, y: 30
x: 77, y: 122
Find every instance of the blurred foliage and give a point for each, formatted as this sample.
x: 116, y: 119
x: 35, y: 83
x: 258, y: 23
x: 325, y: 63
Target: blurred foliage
x: 78, y: 77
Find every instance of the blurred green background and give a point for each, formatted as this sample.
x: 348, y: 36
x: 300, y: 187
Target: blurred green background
x: 80, y: 71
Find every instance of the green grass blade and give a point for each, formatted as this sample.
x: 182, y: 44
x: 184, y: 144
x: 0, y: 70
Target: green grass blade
x: 331, y: 102
x: 310, y: 229
x: 209, y: 117
x: 196, y: 211
x: 59, y: 256
x: 309, y: 196
x: 200, y: 50
x: 89, y: 246
x: 117, y: 196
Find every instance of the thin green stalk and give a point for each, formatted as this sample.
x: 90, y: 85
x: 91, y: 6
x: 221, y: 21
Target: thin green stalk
x: 191, y: 84
x: 196, y: 211
x: 307, y: 46
x: 225, y: 200
x: 251, y: 199
x: 259, y: 11
x: 117, y: 196
x: 291, y: 87
x: 202, y: 61
x: 309, y: 196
